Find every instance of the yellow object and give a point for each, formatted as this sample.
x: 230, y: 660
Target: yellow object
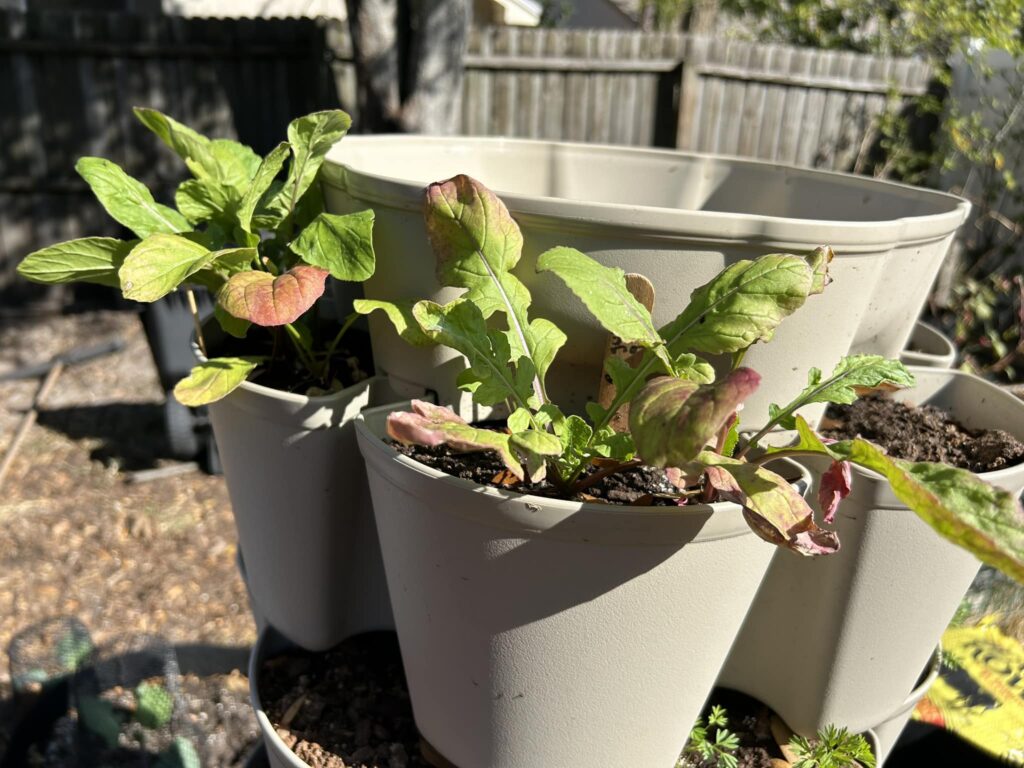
x: 982, y: 700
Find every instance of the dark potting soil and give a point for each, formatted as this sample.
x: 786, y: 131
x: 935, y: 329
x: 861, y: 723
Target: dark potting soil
x: 349, y: 708
x: 922, y: 433
x: 633, y: 486
x: 345, y: 708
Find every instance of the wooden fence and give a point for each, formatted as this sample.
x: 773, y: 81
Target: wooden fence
x: 69, y: 79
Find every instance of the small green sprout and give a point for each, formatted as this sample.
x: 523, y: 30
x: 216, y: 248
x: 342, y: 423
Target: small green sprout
x: 832, y: 748
x: 713, y: 742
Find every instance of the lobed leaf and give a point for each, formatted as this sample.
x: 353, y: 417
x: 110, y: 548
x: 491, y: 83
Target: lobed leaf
x: 87, y: 260
x: 268, y: 300
x: 772, y: 507
x: 742, y: 305
x: 490, y: 377
x: 672, y: 420
x: 343, y: 245
x: 853, y: 376
x: 604, y: 292
x: 432, y: 425
x: 216, y: 378
x: 401, y: 318
x: 127, y: 200
x: 159, y: 264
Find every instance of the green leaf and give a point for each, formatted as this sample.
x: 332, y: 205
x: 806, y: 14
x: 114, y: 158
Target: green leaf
x: 819, y: 259
x: 477, y: 243
x: 86, y: 260
x: 772, y: 507
x: 431, y: 425
x: 236, y: 164
x: 490, y: 377
x: 986, y: 521
x: 310, y: 138
x: 400, y: 316
x: 742, y: 305
x: 343, y: 245
x: 73, y: 650
x: 181, y: 754
x: 260, y: 186
x: 852, y: 377
x: 127, y: 200
x: 99, y: 716
x: 603, y: 290
x: 231, y: 325
x: 204, y: 200
x: 216, y: 378
x: 186, y: 143
x: 159, y: 264
x: 672, y: 420
x: 154, y: 706
x: 575, y: 436
x: 536, y: 447
x: 266, y: 300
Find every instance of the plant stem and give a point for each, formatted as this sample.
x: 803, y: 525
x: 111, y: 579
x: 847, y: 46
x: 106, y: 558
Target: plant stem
x: 194, y: 309
x: 334, y: 343
x: 601, y: 474
x: 296, y: 339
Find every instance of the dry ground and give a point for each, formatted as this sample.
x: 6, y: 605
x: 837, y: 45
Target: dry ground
x: 76, y: 540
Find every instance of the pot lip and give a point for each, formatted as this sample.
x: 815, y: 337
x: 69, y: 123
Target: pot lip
x: 661, y: 221
x: 608, y: 512
x: 923, y: 330
x: 280, y: 395
x: 266, y: 727
x: 993, y: 476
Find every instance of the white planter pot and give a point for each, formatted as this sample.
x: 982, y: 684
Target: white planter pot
x: 268, y: 643
x: 842, y: 639
x: 254, y: 608
x: 929, y: 347
x: 302, y: 510
x: 677, y: 218
x: 538, y: 632
x: 888, y: 731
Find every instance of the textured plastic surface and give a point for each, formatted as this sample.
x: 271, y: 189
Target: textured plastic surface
x: 302, y: 509
x: 842, y: 639
x: 677, y: 218
x: 929, y: 347
x: 538, y: 632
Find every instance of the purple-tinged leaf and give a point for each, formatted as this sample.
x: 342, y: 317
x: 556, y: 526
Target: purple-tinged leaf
x: 672, y: 420
x: 835, y: 486
x: 263, y: 299
x: 430, y: 425
x: 772, y: 507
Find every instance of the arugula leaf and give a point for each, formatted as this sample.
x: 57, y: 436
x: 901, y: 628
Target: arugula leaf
x: 310, y: 137
x: 742, y: 305
x: 189, y: 145
x: 127, y: 200
x: 400, y: 315
x: 261, y: 186
x: 672, y: 420
x: 432, y: 425
x: 852, y: 377
x: 203, y: 200
x: 88, y: 260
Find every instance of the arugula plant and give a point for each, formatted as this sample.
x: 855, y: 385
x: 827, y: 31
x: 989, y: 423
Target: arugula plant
x: 246, y: 228
x: 681, y: 416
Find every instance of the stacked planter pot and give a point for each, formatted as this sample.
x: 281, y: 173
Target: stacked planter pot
x: 676, y: 218
x: 302, y: 508
x: 843, y: 639
x: 545, y: 632
x: 929, y: 347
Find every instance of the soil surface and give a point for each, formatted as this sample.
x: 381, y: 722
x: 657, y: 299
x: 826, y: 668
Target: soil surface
x: 78, y: 540
x: 346, y: 708
x: 634, y: 486
x: 922, y: 434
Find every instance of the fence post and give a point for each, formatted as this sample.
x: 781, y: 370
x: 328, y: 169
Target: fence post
x: 689, y: 89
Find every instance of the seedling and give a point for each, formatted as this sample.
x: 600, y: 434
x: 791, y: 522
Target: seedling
x: 681, y: 416
x: 832, y: 748
x: 713, y: 742
x: 261, y: 244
